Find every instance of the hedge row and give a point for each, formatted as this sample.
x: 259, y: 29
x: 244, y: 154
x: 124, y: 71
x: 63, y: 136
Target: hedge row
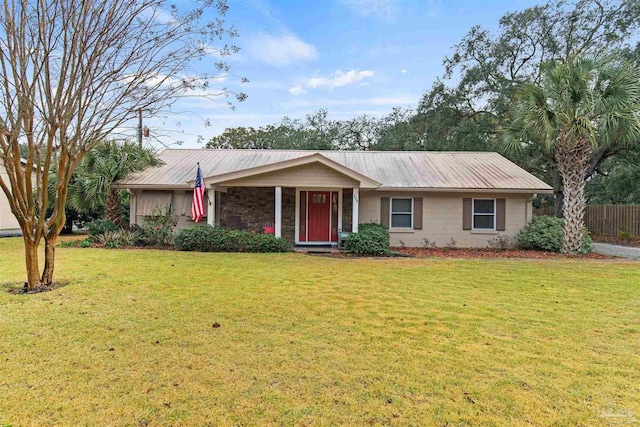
x: 206, y: 238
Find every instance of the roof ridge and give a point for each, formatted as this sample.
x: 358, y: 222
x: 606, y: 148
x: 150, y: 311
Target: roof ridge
x: 281, y: 150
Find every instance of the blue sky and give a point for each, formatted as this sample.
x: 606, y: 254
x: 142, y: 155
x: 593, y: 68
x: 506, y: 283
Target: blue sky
x: 351, y: 57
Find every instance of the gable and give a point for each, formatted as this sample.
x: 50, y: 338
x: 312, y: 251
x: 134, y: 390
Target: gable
x: 313, y: 174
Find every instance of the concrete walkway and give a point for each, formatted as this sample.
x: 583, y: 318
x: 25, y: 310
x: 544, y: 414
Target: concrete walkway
x: 617, y: 250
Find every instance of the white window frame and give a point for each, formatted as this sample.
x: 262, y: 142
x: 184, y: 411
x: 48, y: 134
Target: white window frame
x: 473, y: 215
x: 391, y: 213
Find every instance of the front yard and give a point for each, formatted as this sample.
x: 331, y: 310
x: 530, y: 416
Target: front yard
x: 319, y: 341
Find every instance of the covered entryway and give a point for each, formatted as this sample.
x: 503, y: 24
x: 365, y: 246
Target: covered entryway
x: 318, y: 183
x: 319, y: 216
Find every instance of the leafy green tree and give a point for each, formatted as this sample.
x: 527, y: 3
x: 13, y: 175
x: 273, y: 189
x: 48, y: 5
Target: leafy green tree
x: 401, y: 130
x: 237, y: 138
x: 488, y: 68
x: 316, y: 132
x: 617, y: 181
x: 581, y: 106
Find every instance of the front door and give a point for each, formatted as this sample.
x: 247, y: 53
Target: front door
x: 319, y: 216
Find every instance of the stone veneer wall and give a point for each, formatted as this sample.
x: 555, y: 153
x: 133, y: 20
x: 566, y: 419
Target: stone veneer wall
x: 256, y: 205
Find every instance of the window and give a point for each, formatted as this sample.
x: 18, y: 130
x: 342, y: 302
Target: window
x: 401, y: 213
x: 319, y: 199
x: 484, y: 214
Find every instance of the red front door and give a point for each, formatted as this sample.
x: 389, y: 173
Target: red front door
x: 319, y: 203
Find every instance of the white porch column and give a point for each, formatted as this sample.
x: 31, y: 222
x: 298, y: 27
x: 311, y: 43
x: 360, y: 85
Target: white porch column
x: 133, y: 207
x: 211, y: 206
x: 354, y: 215
x: 278, y: 212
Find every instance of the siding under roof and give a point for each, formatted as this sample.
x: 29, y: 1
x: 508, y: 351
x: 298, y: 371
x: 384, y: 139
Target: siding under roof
x: 393, y: 169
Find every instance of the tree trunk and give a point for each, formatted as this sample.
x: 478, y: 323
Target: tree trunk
x: 558, y: 194
x: 31, y: 258
x: 572, y: 159
x: 49, y: 261
x: 113, y: 207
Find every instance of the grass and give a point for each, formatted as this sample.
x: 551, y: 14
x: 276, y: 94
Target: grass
x: 319, y: 341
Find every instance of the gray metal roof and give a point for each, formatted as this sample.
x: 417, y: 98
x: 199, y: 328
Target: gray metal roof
x: 393, y: 169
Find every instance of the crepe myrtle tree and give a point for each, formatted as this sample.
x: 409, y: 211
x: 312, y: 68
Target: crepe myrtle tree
x: 579, y: 106
x: 74, y: 73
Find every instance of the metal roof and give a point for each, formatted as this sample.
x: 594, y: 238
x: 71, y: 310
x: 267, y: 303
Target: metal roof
x: 393, y: 169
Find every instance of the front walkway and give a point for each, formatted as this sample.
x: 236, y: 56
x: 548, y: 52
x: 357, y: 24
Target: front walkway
x: 617, y: 250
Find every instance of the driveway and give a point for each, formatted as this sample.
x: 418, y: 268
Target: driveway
x: 617, y: 250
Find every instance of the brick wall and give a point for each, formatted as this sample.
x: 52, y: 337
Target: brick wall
x: 251, y: 207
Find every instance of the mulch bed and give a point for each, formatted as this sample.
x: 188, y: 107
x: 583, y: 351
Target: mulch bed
x: 17, y: 289
x: 490, y: 253
x: 615, y: 240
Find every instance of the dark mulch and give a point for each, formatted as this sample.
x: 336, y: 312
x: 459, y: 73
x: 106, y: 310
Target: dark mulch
x: 491, y: 253
x: 615, y: 240
x: 21, y: 288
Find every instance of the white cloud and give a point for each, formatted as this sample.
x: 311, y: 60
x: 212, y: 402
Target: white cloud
x: 403, y: 71
x: 163, y: 17
x: 297, y: 90
x: 338, y: 79
x: 385, y: 9
x: 282, y: 50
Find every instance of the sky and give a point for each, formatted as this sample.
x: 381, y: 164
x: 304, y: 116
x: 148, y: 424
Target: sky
x: 351, y: 57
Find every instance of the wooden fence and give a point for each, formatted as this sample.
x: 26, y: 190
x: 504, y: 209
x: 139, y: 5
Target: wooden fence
x: 607, y: 219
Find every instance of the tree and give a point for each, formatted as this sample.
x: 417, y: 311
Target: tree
x: 581, y: 106
x: 489, y: 67
x: 617, y: 181
x: 237, y: 138
x: 316, y: 132
x: 92, y: 184
x: 74, y: 72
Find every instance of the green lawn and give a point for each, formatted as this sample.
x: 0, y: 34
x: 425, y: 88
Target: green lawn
x: 319, y: 341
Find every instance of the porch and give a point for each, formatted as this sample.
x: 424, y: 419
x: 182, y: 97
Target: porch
x: 302, y: 215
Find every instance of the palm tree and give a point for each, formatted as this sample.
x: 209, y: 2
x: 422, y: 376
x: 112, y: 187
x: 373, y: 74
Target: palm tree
x: 579, y: 106
x: 92, y: 184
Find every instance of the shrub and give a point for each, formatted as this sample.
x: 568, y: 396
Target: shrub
x: 116, y: 239
x: 451, y: 244
x: 158, y: 228
x: 99, y: 226
x: 371, y: 239
x: 428, y: 243
x: 85, y: 243
x: 625, y: 235
x: 545, y: 233
x: 205, y: 238
x: 501, y: 242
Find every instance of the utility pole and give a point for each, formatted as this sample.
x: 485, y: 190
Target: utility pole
x: 140, y: 128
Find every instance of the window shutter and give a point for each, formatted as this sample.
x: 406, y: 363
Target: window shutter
x: 417, y: 213
x: 501, y: 205
x: 384, y: 211
x: 467, y: 214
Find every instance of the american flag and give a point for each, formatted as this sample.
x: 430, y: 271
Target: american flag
x: 197, y: 206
